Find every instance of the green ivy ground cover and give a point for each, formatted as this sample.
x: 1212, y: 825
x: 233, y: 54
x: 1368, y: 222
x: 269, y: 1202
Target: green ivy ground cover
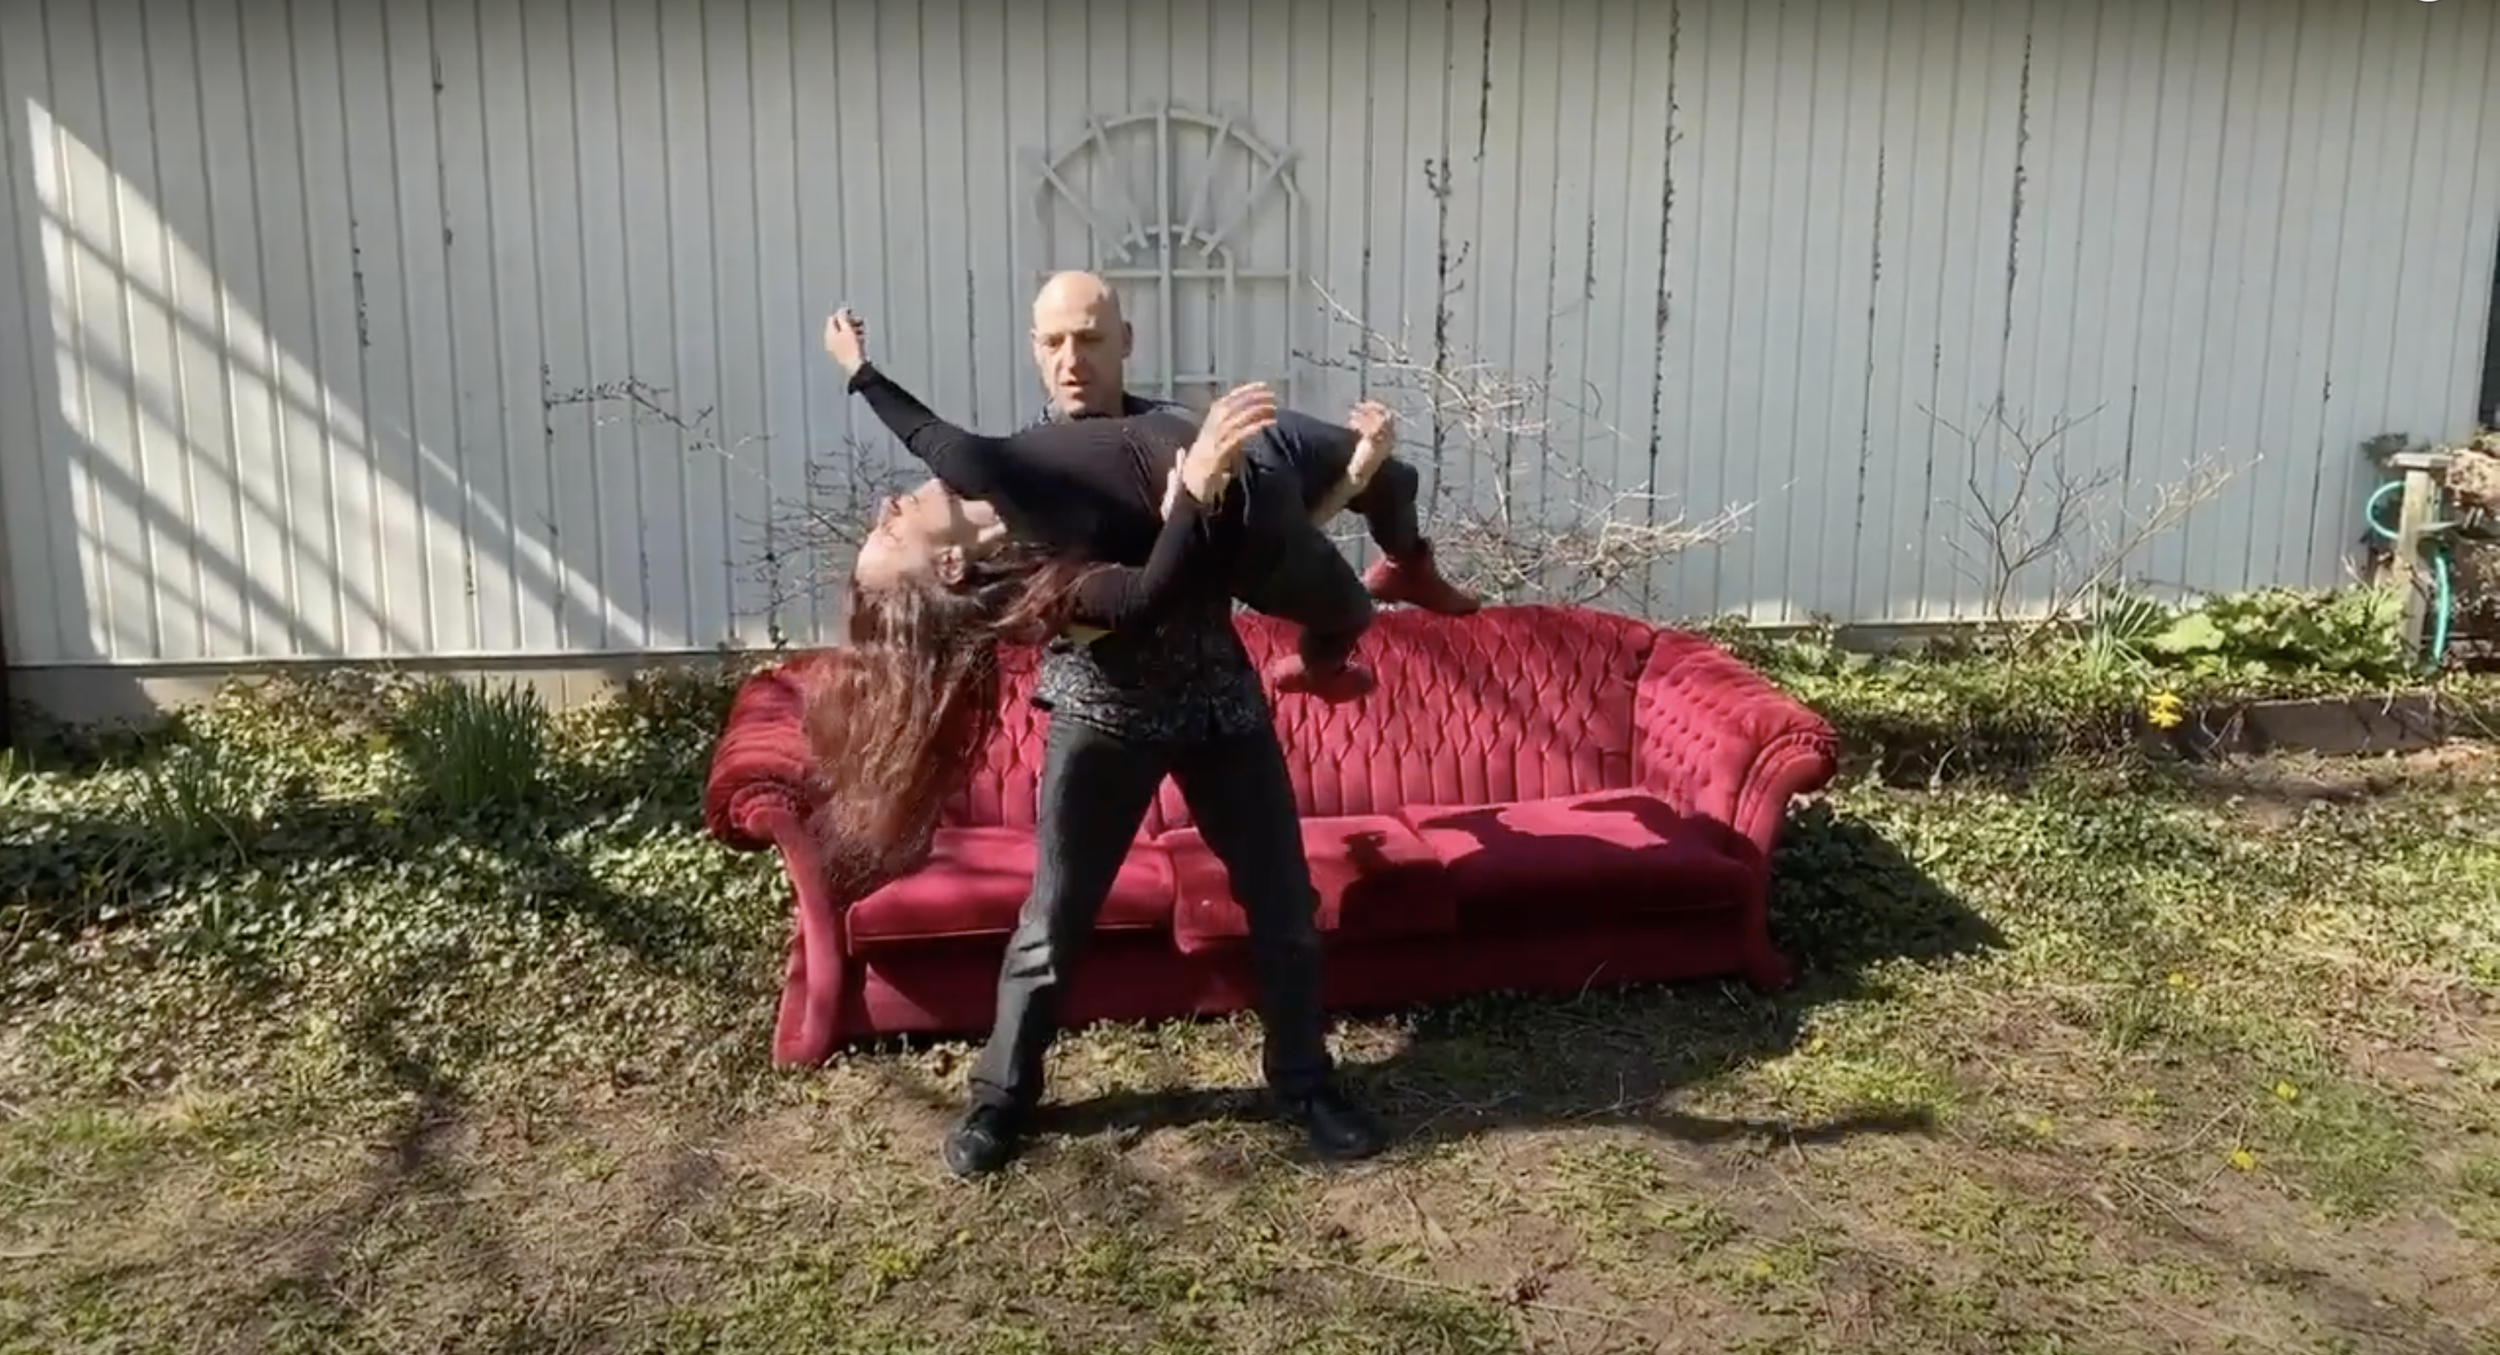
x: 396, y: 1018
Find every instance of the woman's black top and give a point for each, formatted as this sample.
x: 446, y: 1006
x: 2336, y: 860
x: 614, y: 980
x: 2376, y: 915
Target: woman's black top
x: 1090, y: 488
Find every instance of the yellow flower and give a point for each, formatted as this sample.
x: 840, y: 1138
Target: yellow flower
x: 1816, y: 1045
x: 2179, y: 980
x: 2285, y: 1091
x: 2164, y: 710
x: 2243, y: 1160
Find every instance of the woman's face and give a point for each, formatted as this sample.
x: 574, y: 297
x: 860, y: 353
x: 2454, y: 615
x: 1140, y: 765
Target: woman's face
x: 920, y: 535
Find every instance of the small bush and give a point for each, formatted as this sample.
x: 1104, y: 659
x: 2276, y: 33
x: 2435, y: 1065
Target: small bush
x: 473, y: 747
x: 198, y: 800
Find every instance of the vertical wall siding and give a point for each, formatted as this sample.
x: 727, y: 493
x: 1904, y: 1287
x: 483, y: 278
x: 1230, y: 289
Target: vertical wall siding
x: 297, y: 297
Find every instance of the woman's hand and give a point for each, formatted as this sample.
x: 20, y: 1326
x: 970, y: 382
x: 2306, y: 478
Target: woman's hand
x: 846, y: 340
x: 1237, y: 416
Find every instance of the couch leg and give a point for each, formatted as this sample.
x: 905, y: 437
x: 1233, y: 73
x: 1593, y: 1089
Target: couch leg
x: 1767, y: 971
x: 807, y: 1028
x: 809, y: 1025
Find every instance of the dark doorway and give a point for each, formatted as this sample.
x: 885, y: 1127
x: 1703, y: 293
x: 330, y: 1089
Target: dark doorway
x: 2487, y: 404
x: 8, y: 703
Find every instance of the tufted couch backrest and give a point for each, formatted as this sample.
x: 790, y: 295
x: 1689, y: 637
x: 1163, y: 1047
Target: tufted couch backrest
x: 1513, y: 703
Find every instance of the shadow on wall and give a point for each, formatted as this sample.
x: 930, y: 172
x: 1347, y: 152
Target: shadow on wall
x: 244, y: 411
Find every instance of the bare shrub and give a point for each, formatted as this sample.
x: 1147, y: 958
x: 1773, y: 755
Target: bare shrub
x: 1571, y: 538
x: 2473, y: 474
x: 2054, y: 531
x: 798, y: 546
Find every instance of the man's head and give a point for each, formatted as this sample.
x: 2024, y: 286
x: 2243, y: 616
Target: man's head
x: 1081, y: 344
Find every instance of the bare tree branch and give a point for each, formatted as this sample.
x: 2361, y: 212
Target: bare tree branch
x: 797, y: 546
x: 2054, y: 528
x: 1547, y: 529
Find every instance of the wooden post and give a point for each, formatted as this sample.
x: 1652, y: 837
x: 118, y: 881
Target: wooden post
x: 2415, y: 520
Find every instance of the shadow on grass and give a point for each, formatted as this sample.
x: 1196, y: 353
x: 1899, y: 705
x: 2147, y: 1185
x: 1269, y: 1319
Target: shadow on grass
x: 236, y: 811
x: 429, y: 1228
x: 307, y: 1266
x: 1850, y: 909
x: 1845, y: 902
x: 92, y: 869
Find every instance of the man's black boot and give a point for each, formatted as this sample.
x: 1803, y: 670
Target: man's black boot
x: 984, y: 1140
x: 1337, y: 1128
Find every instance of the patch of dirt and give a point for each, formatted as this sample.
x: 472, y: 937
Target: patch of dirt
x: 2405, y: 1282
x: 1500, y: 1248
x: 1629, y: 1229
x: 2275, y: 791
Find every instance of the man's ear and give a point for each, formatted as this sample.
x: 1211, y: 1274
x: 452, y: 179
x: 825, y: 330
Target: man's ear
x: 1128, y: 340
x: 950, y: 565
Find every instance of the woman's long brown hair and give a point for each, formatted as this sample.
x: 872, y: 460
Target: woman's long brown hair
x: 897, y: 718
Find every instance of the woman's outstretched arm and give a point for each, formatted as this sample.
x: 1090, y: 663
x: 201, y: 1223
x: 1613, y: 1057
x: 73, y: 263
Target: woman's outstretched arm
x: 1189, y: 556
x: 972, y: 465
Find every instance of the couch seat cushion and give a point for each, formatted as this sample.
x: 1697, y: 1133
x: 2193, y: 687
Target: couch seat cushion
x: 1376, y: 879
x: 1574, y: 858
x: 974, y: 884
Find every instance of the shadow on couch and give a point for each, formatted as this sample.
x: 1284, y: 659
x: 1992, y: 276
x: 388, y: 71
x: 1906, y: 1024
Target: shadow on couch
x: 1844, y: 901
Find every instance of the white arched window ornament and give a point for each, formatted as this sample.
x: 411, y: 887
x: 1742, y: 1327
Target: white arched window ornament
x: 1198, y: 223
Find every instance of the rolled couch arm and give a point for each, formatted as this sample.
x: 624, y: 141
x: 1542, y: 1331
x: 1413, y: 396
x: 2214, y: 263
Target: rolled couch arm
x: 758, y: 795
x: 760, y: 764
x: 1718, y: 740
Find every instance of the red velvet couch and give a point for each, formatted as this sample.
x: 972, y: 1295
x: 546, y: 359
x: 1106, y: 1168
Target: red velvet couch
x: 1535, y: 798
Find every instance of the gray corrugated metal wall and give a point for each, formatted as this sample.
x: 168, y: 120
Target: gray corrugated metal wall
x: 291, y: 283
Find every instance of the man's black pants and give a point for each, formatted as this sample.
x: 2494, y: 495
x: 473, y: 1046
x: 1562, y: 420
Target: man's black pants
x: 1094, y: 792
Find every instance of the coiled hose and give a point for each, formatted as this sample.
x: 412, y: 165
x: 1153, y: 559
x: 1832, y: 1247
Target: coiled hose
x: 2443, y: 601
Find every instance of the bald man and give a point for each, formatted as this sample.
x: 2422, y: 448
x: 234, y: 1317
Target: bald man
x: 1177, y: 697
x: 1081, y: 344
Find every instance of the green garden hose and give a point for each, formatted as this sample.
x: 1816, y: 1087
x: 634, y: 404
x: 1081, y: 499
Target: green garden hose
x: 2443, y: 601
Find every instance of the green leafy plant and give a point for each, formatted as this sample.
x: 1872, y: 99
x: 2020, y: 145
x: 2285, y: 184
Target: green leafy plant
x: 197, y: 799
x: 473, y: 747
x: 2119, y: 628
x: 1994, y: 699
x: 2352, y: 632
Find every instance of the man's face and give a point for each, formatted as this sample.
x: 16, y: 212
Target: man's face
x: 1080, y: 348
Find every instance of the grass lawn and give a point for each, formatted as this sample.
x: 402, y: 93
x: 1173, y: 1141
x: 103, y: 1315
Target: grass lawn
x: 2115, y: 1060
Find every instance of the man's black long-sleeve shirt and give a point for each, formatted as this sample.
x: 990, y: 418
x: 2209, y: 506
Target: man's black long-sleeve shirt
x: 1181, y: 678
